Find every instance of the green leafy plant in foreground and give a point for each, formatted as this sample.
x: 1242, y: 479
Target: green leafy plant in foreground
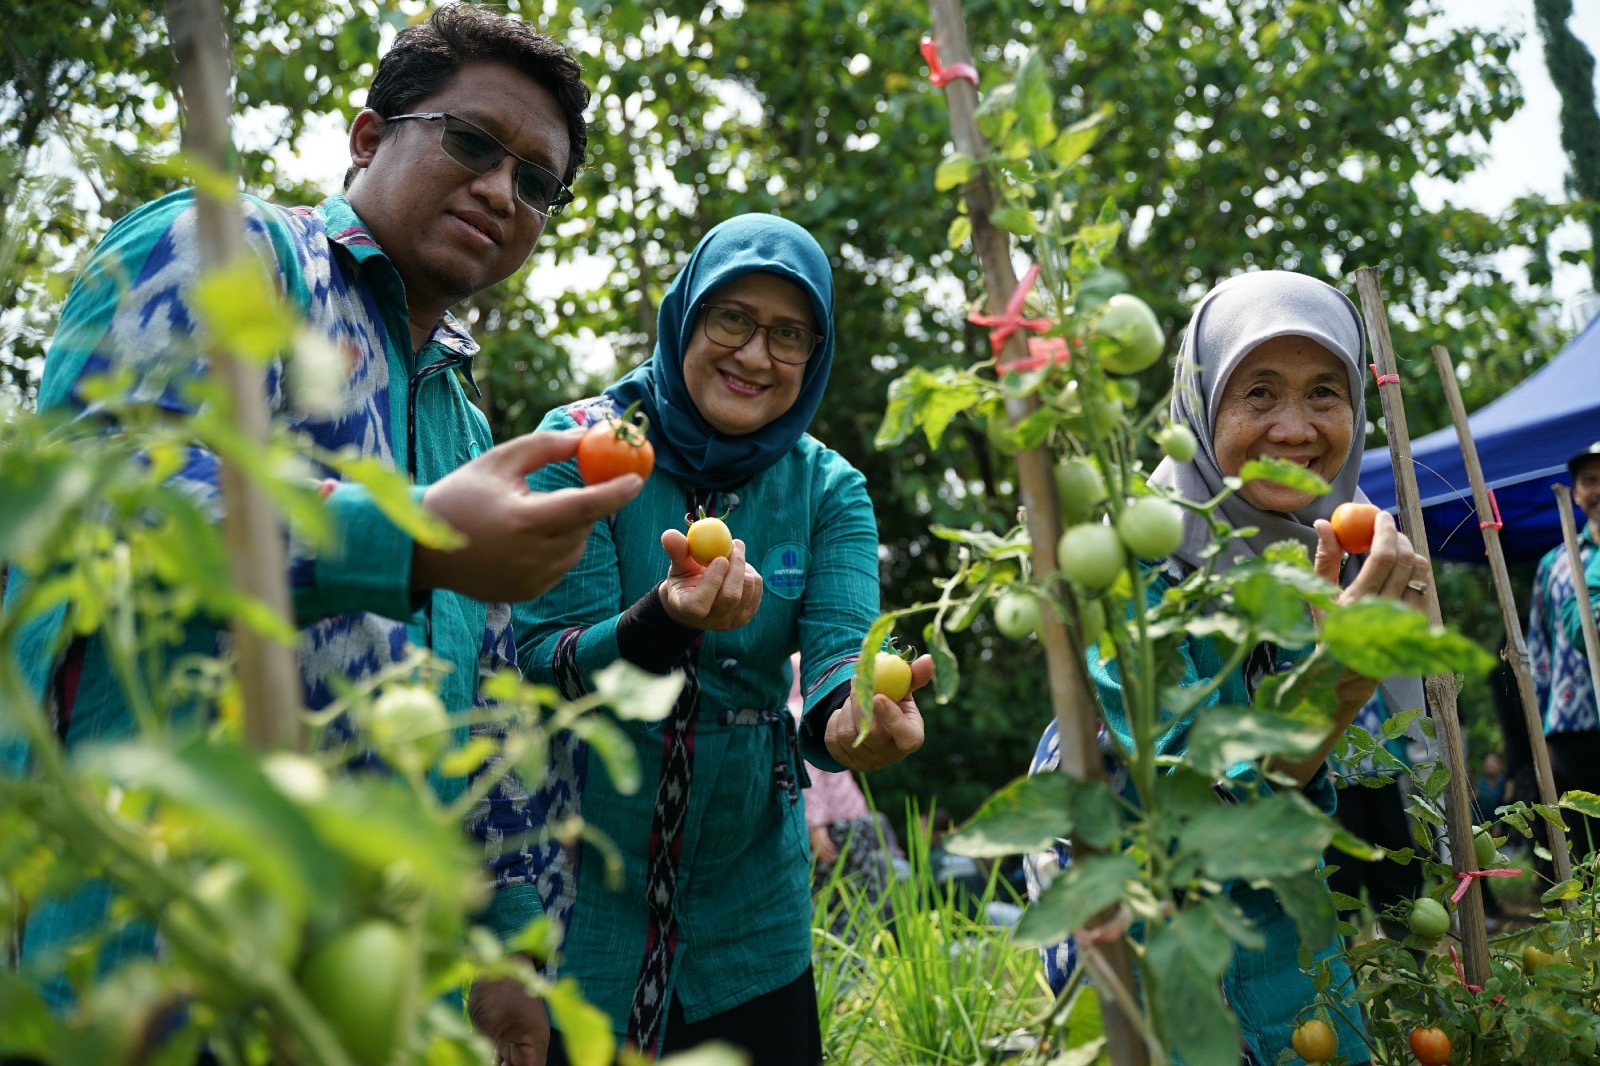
x: 270, y: 907
x: 1160, y: 854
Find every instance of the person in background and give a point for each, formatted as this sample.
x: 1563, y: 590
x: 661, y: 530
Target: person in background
x: 472, y: 134
x: 1491, y: 785
x: 1562, y: 680
x: 710, y: 935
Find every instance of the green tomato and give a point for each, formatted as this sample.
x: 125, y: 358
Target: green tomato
x: 1080, y: 487
x: 254, y: 922
x: 1428, y: 918
x: 1016, y: 614
x: 363, y: 982
x: 1484, y: 848
x: 1151, y: 527
x: 1092, y: 615
x: 1091, y: 555
x: 1134, y: 331
x: 409, y: 726
x: 1177, y: 443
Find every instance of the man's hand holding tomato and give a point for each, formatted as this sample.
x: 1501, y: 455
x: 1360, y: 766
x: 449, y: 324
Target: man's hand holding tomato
x: 895, y: 732
x: 722, y: 594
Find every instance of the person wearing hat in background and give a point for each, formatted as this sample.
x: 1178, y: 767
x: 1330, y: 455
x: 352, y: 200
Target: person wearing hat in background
x: 1561, y: 677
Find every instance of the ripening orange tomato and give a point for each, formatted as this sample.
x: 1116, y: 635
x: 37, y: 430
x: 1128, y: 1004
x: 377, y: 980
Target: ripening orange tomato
x: 1314, y: 1041
x: 613, y: 448
x: 1430, y: 1045
x: 1352, y: 524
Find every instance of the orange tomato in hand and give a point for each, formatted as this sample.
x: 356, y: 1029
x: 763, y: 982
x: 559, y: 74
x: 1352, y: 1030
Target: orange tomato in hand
x: 1352, y: 524
x: 1430, y: 1045
x: 613, y: 448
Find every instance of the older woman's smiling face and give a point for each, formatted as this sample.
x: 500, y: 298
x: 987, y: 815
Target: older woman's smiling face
x: 1288, y: 399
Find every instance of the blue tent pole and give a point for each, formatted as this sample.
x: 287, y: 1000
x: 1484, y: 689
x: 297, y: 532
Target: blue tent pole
x: 1521, y: 664
x: 1439, y: 688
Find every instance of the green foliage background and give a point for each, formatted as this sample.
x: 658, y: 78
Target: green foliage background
x: 1264, y: 133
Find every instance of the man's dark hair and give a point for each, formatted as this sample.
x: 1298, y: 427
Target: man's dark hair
x: 426, y: 57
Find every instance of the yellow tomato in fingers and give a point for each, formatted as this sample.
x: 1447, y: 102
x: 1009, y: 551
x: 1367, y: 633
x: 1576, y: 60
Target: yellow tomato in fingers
x: 710, y: 539
x: 891, y: 676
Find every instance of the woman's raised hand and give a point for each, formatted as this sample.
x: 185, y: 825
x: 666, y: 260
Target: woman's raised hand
x: 897, y: 728
x: 1392, y: 568
x: 722, y: 594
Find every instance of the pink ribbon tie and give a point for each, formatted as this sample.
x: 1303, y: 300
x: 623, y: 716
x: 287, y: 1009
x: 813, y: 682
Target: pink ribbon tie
x: 942, y: 75
x: 1003, y: 325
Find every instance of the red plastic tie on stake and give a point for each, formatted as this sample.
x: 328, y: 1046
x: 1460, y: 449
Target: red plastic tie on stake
x: 942, y: 75
x: 1003, y: 325
x: 1383, y: 379
x: 1466, y: 876
x: 1494, y: 507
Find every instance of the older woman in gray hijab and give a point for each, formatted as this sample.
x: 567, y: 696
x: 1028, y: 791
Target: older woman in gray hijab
x: 1272, y: 366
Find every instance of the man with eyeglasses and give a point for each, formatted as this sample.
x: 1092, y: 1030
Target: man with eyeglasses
x: 473, y: 132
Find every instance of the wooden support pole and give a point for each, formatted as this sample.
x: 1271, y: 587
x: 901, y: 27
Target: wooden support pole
x: 269, y: 677
x: 1518, y: 648
x: 1440, y: 688
x: 1072, y: 700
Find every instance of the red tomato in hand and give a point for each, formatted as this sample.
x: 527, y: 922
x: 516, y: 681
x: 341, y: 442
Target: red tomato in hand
x: 613, y: 448
x: 710, y: 539
x: 1352, y: 524
x: 1430, y: 1045
x: 1314, y: 1041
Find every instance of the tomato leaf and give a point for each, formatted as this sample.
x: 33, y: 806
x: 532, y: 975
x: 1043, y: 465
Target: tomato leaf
x: 929, y: 400
x: 585, y: 1031
x: 1223, y: 737
x: 1289, y: 475
x: 1027, y: 815
x: 954, y: 170
x: 1305, y: 899
x: 946, y: 667
x: 1013, y: 220
x: 1276, y: 836
x: 1189, y: 954
x: 960, y: 230
x: 636, y: 694
x: 615, y: 748
x: 1090, y: 885
x: 1078, y: 138
x: 1383, y: 638
x: 1585, y: 803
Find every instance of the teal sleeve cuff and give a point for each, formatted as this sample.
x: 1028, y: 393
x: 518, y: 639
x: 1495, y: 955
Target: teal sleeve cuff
x: 510, y: 911
x: 366, y: 568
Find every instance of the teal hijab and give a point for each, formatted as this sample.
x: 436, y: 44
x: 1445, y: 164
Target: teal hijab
x: 686, y: 445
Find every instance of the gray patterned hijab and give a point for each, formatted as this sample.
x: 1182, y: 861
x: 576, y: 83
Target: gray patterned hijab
x: 1230, y: 321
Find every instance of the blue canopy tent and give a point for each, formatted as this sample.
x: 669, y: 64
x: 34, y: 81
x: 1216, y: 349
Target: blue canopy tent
x: 1524, y: 440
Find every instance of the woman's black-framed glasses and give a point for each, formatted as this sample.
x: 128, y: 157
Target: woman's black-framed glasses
x: 480, y: 152
x: 731, y: 329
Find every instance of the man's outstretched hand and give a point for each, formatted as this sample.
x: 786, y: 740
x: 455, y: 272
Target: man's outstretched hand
x: 519, y: 542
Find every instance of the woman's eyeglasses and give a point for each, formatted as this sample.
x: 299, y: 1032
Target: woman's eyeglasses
x: 481, y: 152
x: 731, y: 329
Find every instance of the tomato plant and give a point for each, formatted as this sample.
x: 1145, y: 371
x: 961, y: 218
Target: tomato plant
x: 1016, y: 614
x: 614, y: 447
x: 1352, y: 524
x: 709, y: 538
x: 1314, y: 1040
x: 408, y: 726
x: 1091, y: 555
x: 1485, y: 848
x: 362, y: 981
x: 1428, y: 918
x: 1152, y: 528
x: 891, y: 676
x: 1430, y: 1045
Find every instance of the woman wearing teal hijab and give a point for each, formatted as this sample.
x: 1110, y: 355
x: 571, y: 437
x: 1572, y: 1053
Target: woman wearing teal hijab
x: 710, y: 936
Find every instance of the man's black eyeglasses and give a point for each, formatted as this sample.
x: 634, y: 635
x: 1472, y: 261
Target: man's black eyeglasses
x: 731, y: 329
x: 481, y: 152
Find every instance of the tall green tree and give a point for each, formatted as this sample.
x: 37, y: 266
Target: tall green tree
x: 1572, y: 70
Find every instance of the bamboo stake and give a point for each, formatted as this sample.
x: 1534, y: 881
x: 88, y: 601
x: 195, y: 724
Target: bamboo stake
x: 1440, y: 688
x: 1520, y: 661
x: 269, y: 677
x: 1073, y: 702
